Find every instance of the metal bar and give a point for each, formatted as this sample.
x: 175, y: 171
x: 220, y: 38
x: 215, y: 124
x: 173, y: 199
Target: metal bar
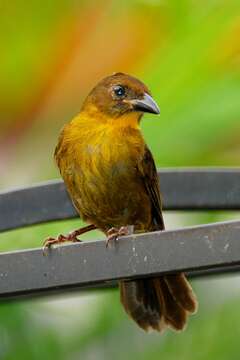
x: 182, y: 189
x: 36, y: 204
x: 75, y: 266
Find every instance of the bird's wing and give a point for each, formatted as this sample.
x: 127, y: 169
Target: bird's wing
x: 148, y: 173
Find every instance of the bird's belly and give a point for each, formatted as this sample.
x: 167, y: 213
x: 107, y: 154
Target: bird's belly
x: 113, y: 195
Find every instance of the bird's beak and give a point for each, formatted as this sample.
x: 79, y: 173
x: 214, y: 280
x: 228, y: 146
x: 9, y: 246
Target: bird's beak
x: 146, y: 104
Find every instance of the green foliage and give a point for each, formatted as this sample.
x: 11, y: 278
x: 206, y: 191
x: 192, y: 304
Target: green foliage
x: 192, y: 68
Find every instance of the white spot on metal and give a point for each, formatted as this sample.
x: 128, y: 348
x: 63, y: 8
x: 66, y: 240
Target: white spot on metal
x: 226, y: 247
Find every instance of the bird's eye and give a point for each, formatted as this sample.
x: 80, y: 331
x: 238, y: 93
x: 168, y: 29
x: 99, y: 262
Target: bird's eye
x: 119, y: 91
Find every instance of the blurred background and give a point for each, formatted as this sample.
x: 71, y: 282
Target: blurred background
x: 52, y: 53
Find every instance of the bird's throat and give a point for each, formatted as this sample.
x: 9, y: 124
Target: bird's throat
x: 93, y: 117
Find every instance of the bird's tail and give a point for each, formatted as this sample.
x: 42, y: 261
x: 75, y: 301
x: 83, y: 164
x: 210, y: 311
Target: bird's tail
x: 157, y: 303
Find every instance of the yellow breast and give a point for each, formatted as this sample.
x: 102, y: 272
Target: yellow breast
x: 91, y: 137
x: 97, y: 158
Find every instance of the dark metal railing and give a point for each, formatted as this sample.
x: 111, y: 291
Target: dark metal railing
x: 199, y: 250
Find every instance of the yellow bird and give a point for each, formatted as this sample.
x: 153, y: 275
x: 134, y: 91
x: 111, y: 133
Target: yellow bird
x: 111, y: 177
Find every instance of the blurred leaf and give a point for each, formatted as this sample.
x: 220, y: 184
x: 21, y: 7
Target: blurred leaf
x: 51, y: 54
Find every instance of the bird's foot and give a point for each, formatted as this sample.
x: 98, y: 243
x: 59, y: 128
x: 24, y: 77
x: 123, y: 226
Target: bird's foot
x: 71, y: 237
x: 114, y: 233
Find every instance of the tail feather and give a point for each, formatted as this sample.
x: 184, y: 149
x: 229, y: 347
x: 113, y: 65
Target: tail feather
x: 141, y: 303
x: 182, y: 292
x: 159, y: 302
x: 174, y: 315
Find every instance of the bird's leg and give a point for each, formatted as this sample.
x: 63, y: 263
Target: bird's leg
x: 72, y: 236
x: 114, y: 233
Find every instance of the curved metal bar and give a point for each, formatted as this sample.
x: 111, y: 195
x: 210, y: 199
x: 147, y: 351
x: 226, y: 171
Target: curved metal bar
x: 182, y: 189
x: 196, y: 250
x: 36, y: 204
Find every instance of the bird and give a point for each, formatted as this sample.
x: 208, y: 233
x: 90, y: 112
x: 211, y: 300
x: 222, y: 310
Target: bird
x: 111, y: 177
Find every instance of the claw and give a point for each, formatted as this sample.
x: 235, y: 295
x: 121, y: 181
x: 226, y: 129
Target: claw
x: 114, y: 233
x: 72, y: 237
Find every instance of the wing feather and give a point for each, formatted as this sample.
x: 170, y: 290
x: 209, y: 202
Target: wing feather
x: 148, y: 172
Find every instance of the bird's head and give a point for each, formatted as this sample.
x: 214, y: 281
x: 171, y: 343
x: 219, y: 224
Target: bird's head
x: 120, y: 94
